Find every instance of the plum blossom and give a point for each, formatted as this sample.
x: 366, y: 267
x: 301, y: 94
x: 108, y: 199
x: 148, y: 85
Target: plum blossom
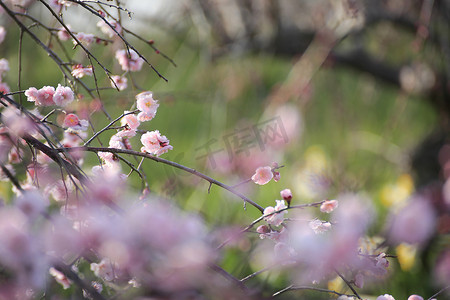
x: 130, y: 120
x: 41, y: 97
x: 31, y: 203
x: 155, y: 143
x: 17, y: 122
x: 84, y: 38
x: 319, y: 226
x: 63, y: 34
x: 359, y: 280
x: 262, y: 175
x: 415, y: 297
x: 105, y: 269
x: 63, y: 95
x: 4, y: 66
x: 441, y: 270
x: 274, y: 218
x: 147, y: 105
x: 4, y: 88
x: 385, y: 297
x: 78, y: 71
x: 414, y: 223
x: 106, y: 29
x: 286, y: 194
x: 60, y: 278
x: 2, y: 34
x: 328, y: 206
x: 73, y: 122
x: 120, y: 81
x: 132, y: 63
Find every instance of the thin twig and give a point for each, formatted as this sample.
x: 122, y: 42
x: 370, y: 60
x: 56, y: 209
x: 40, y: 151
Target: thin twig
x: 170, y: 163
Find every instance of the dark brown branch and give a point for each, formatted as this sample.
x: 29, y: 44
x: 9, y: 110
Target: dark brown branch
x: 167, y: 162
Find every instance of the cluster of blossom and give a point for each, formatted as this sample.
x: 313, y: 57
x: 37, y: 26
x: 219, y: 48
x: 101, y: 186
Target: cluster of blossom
x: 153, y: 142
x: 131, y: 250
x: 48, y: 95
x: 321, y: 247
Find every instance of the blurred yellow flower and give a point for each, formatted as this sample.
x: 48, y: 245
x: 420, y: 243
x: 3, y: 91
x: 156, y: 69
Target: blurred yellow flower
x: 337, y: 285
x: 406, y: 255
x: 397, y: 193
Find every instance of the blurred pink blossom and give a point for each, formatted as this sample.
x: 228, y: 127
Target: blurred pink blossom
x: 60, y: 278
x: 2, y: 34
x: 319, y: 226
x: 275, y: 218
x: 414, y: 223
x: 63, y: 35
x: 106, y: 29
x: 78, y: 71
x: 133, y: 63
x: 385, y: 297
x: 120, y: 81
x: 4, y: 66
x: 415, y: 297
x: 328, y: 206
x: 441, y: 270
x: 32, y: 203
x: 4, y: 88
x: 105, y: 269
x: 84, y: 38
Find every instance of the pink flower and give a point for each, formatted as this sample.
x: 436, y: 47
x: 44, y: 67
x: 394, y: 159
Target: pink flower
x: 319, y: 226
x: 359, y: 280
x: 441, y: 270
x: 262, y: 175
x: 274, y: 218
x: 42, y: 97
x: 414, y: 224
x: 155, y: 143
x: 120, y: 81
x: 4, y: 66
x: 4, y: 88
x: 63, y: 34
x: 78, y: 71
x: 31, y: 203
x: 130, y: 120
x: 73, y: 122
x: 63, y: 95
x: 106, y: 29
x: 385, y: 297
x: 2, y: 34
x: 415, y: 297
x: 106, y: 269
x: 328, y: 206
x: 133, y: 63
x: 60, y: 278
x: 84, y: 38
x: 147, y: 105
x: 286, y: 194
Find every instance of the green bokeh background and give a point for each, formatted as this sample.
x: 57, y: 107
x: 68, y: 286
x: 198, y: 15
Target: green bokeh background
x: 349, y: 119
